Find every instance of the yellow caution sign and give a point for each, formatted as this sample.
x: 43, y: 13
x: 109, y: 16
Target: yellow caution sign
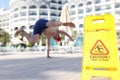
x: 100, y: 52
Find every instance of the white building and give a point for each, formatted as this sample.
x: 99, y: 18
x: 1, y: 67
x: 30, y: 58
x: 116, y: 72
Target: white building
x: 4, y: 18
x: 24, y: 13
x: 79, y: 9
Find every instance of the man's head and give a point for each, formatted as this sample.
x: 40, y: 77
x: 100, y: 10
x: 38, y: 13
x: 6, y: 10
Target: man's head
x: 57, y: 38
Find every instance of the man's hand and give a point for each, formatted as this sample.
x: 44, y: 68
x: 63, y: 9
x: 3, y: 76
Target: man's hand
x: 70, y: 24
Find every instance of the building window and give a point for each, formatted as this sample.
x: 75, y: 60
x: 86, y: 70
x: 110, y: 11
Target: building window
x: 89, y: 3
x: 16, y: 9
x: 15, y: 15
x: 15, y: 20
x: 59, y: 14
x: 23, y: 7
x: 97, y: 1
x: 53, y: 19
x: 4, y: 20
x: 73, y: 6
x: 72, y: 18
x: 22, y: 13
x: 80, y: 11
x: 32, y: 13
x: 108, y: 7
x: 23, y: 19
x: 31, y: 27
x: 43, y: 13
x: 53, y: 8
x: 117, y: 5
x: 60, y: 2
x: 32, y: 7
x: 32, y: 19
x: 80, y: 17
x: 80, y: 5
x: 53, y: 1
x: 88, y: 10
x: 59, y: 8
x: 81, y: 25
x: 97, y: 8
x: 53, y: 14
x: 3, y: 24
x: 72, y: 13
x: 23, y: 27
x: 117, y: 12
x: 43, y: 6
x: 16, y: 28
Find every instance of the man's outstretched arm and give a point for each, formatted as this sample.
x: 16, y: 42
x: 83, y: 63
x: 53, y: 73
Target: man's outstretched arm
x: 48, y: 47
x: 64, y: 33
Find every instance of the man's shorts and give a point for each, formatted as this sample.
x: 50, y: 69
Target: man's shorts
x: 40, y: 26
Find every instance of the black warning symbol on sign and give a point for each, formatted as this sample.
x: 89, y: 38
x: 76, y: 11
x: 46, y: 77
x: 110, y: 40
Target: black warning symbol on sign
x: 99, y: 49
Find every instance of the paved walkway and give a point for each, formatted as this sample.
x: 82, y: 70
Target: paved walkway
x: 38, y: 67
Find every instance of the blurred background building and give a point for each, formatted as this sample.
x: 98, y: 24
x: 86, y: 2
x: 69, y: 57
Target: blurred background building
x: 79, y: 9
x: 24, y: 13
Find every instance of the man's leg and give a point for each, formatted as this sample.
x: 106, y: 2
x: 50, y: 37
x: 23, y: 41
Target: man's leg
x: 56, y: 24
x: 31, y: 39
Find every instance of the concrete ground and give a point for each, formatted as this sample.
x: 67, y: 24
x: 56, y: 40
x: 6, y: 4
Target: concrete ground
x: 34, y: 66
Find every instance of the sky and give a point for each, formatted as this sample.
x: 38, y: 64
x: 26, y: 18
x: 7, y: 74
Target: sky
x: 4, y: 3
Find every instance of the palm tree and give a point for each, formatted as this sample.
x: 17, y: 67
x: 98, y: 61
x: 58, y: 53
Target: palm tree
x: 4, y: 37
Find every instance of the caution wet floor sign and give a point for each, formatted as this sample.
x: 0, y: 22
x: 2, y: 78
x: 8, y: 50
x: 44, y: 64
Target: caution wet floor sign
x: 100, y: 55
x: 99, y: 48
